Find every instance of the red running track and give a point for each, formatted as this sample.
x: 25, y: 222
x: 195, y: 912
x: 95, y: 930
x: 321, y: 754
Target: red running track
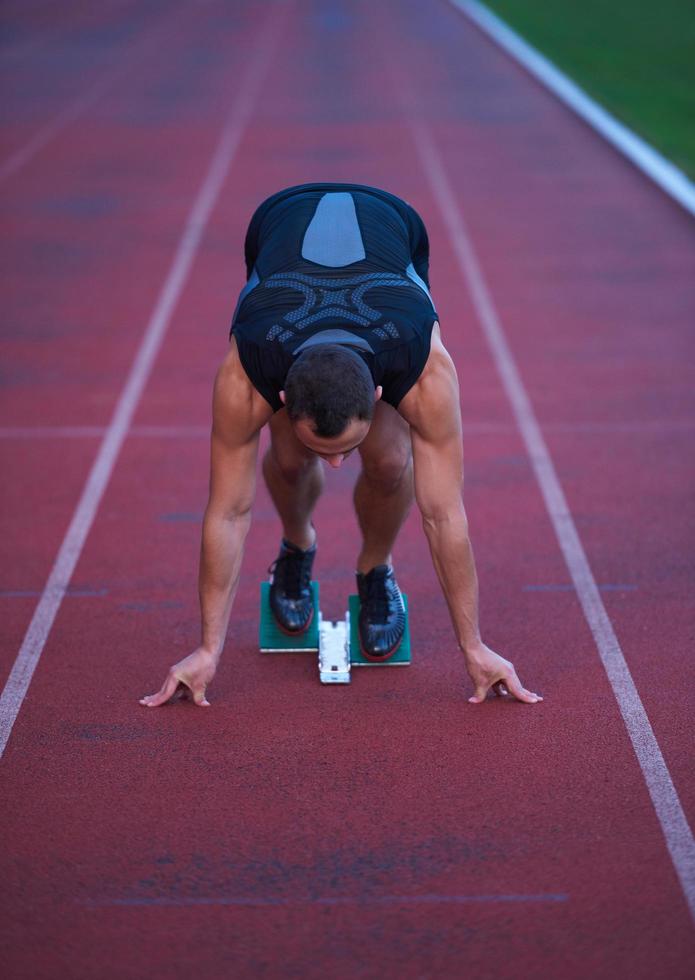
x: 388, y: 829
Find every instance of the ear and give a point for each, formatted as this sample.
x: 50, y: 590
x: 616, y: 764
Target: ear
x: 377, y: 393
x: 282, y: 397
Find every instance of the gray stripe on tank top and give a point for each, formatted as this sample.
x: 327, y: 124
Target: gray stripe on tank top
x: 333, y: 237
x: 334, y: 337
x: 251, y: 284
x: 412, y: 274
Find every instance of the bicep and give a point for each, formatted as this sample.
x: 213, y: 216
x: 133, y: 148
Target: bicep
x: 437, y: 443
x: 438, y: 468
x: 232, y: 475
x: 234, y: 442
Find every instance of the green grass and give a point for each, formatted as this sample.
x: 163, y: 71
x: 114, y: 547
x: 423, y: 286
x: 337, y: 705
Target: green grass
x: 637, y: 59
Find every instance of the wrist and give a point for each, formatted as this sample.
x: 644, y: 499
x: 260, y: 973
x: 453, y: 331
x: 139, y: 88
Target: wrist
x: 472, y: 648
x: 211, y: 650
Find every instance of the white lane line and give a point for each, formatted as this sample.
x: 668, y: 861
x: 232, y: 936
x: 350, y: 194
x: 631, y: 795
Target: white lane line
x: 234, y: 900
x: 171, y: 431
x: 669, y: 178
x: 19, y: 432
x: 44, y: 135
x: 50, y: 432
x: 679, y: 838
x: 28, y: 657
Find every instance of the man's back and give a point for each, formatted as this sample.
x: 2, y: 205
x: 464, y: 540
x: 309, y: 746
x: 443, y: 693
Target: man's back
x: 335, y: 263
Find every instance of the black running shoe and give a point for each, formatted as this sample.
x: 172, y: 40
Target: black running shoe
x: 290, y: 588
x: 382, y: 613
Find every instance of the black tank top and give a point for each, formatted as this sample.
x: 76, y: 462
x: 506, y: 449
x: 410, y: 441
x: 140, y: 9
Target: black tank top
x: 335, y: 263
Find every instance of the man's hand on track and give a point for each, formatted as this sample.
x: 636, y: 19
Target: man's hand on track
x: 188, y: 678
x: 490, y: 671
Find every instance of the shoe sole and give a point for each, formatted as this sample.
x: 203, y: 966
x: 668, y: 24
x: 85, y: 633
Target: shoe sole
x: 287, y: 632
x: 380, y: 658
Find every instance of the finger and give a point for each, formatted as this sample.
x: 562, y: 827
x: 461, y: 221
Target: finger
x: 480, y: 694
x: 199, y: 698
x: 500, y: 689
x: 167, y: 689
x: 519, y: 692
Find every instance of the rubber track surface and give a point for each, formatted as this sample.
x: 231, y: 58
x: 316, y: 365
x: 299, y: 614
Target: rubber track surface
x: 388, y: 829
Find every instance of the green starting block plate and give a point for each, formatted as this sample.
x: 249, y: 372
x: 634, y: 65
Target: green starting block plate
x: 271, y: 639
x: 401, y: 658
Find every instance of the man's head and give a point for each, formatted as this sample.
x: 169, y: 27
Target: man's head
x: 329, y: 395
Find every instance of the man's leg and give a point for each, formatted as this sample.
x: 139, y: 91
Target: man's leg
x: 384, y: 490
x: 295, y: 479
x: 383, y: 495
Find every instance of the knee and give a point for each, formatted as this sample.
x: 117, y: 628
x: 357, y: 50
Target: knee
x: 292, y: 467
x: 391, y: 470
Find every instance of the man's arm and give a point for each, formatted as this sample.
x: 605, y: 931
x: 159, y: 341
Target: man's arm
x: 432, y: 409
x: 239, y: 413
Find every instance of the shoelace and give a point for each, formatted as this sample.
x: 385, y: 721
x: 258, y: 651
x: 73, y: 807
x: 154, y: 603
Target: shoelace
x: 378, y: 600
x: 291, y: 573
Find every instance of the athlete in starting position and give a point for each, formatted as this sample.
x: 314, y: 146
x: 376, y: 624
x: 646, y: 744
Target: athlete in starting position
x: 335, y: 346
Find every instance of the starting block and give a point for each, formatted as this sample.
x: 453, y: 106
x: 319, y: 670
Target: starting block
x: 336, y: 642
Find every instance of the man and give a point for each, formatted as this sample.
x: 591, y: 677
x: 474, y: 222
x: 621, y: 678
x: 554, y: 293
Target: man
x: 335, y: 345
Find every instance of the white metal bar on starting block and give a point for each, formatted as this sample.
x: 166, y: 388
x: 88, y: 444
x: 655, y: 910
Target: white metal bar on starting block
x: 334, y: 652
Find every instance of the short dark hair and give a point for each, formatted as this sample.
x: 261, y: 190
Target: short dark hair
x: 329, y: 384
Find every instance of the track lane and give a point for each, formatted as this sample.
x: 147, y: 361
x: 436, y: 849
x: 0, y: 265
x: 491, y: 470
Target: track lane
x: 598, y: 273
x: 436, y: 815
x: 88, y: 247
x: 674, y: 824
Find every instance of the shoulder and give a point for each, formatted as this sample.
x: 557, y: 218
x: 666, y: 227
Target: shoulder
x: 239, y: 410
x: 431, y: 407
